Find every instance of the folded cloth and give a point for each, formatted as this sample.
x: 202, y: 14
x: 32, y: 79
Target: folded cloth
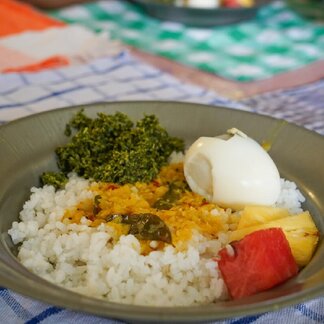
x: 119, y: 77
x: 53, y: 47
x: 14, y: 61
x: 16, y: 17
x: 301, y: 105
x: 276, y: 41
x: 32, y: 41
x: 17, y: 309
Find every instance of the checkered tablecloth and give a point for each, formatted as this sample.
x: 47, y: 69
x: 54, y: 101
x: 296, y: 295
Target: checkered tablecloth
x: 276, y: 41
x: 106, y: 79
x: 302, y: 105
x: 123, y: 77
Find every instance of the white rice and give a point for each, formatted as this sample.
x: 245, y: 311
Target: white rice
x: 83, y: 259
x: 290, y: 197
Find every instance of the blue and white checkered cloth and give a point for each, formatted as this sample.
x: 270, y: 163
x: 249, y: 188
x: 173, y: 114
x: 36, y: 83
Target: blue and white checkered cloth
x: 302, y: 105
x: 125, y: 78
x: 107, y: 79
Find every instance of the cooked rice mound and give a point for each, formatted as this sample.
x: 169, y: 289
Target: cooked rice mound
x: 62, y: 240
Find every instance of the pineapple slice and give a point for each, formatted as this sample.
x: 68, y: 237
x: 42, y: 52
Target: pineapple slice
x: 256, y: 215
x: 300, y: 231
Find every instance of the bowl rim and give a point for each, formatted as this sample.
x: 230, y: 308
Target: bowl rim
x: 53, y: 294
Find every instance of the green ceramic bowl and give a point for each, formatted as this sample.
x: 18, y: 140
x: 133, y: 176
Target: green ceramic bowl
x: 27, y: 149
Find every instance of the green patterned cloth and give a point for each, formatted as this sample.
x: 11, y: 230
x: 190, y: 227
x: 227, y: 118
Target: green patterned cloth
x: 277, y: 40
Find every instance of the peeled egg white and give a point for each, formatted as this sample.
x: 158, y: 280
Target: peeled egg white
x: 232, y: 171
x: 202, y: 3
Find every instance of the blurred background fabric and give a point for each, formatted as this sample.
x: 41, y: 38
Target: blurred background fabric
x: 31, y: 41
x: 277, y: 40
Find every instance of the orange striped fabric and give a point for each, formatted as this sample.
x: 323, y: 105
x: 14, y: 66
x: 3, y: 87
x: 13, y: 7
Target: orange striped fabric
x: 16, y: 17
x: 49, y: 63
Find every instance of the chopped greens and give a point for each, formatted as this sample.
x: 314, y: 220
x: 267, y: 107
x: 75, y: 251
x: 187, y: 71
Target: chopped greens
x: 174, y: 192
x: 111, y: 148
x: 96, y: 205
x: 145, y: 226
x: 56, y: 179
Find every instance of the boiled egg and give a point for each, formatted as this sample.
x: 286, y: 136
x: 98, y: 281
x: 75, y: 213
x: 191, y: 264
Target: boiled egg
x: 206, y: 4
x: 232, y: 170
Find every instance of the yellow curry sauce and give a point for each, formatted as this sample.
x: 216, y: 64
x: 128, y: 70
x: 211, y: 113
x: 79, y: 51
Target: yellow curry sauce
x: 188, y: 214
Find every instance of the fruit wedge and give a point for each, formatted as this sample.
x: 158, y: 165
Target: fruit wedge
x: 300, y: 231
x: 255, y: 215
x: 261, y: 260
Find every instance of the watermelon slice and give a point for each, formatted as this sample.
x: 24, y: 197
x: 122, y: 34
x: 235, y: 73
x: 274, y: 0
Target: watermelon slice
x: 261, y: 260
